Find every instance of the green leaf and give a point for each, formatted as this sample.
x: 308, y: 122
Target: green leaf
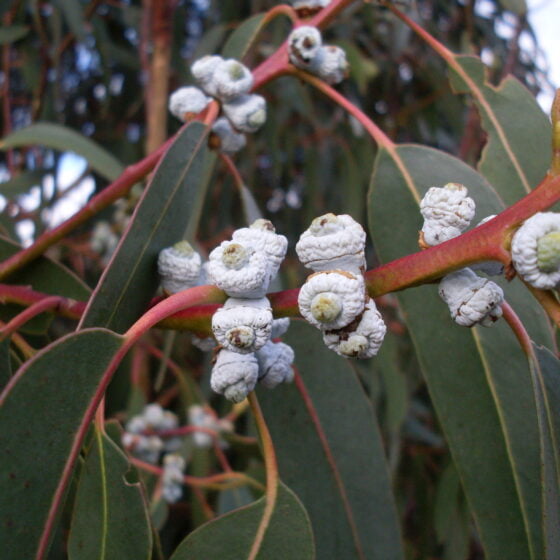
x: 240, y: 41
x: 74, y: 15
x: 491, y: 423
x: 22, y: 182
x: 65, y: 139
x: 12, y: 33
x: 160, y: 220
x: 5, y: 363
x: 110, y: 515
x: 43, y: 416
x: 331, y: 454
x: 232, y: 536
x: 510, y: 115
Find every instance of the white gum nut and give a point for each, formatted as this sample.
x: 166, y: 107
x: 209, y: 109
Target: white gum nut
x: 247, y: 113
x: 333, y: 242
x: 491, y: 268
x: 234, y: 375
x: 232, y: 79
x: 332, y: 299
x: 310, y: 4
x: 179, y: 267
x: 280, y: 327
x: 230, y: 141
x: 187, y: 102
x: 275, y: 364
x: 447, y: 212
x: 201, y: 418
x: 243, y: 325
x: 330, y: 64
x: 471, y: 299
x: 239, y: 270
x: 203, y: 71
x: 172, y: 478
x: 362, y: 340
x: 535, y: 250
x: 262, y: 236
x: 303, y: 45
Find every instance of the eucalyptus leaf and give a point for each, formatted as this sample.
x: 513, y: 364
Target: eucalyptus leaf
x: 12, y: 33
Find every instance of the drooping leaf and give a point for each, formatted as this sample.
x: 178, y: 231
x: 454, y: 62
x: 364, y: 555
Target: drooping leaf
x: 240, y: 41
x: 160, y: 220
x: 42, y: 414
x: 65, y: 139
x: 495, y: 446
x: 110, y: 517
x: 12, y: 33
x: 510, y: 115
x: 331, y: 454
x: 235, y: 535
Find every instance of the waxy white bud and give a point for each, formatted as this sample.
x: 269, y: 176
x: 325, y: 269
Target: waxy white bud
x: 172, y: 479
x: 234, y: 375
x: 186, y: 102
x: 232, y: 79
x: 230, y: 141
x: 280, y: 327
x: 332, y: 299
x: 333, y: 242
x: 361, y: 340
x: 275, y: 364
x: 471, y: 299
x: 179, y: 267
x: 203, y: 71
x: 239, y: 270
x: 303, y: 45
x: 535, y: 250
x: 330, y: 64
x: 243, y: 325
x: 200, y: 417
x: 447, y: 212
x: 262, y: 236
x: 247, y: 113
x: 309, y: 7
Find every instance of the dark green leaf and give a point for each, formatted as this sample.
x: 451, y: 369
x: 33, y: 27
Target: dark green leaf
x: 160, y: 220
x: 41, y: 414
x: 240, y: 41
x: 12, y: 33
x: 489, y: 419
x: 65, y: 139
x: 510, y: 115
x: 330, y: 452
x: 232, y: 536
x: 110, y: 515
x: 5, y: 363
x: 74, y: 15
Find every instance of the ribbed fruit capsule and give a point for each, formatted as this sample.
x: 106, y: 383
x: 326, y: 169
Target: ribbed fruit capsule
x: 234, y: 375
x: 179, y: 267
x: 275, y: 364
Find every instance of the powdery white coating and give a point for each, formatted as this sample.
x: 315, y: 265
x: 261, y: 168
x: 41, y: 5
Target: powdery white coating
x: 333, y: 242
x: 243, y: 325
x: 247, y: 113
x: 232, y: 79
x: 172, y: 478
x: 525, y: 250
x: 262, y: 236
x: 310, y: 4
x: 234, y: 375
x: 200, y: 417
x: 203, y: 71
x: 178, y: 267
x: 280, y: 327
x: 230, y: 140
x: 332, y: 299
x: 361, y: 341
x: 238, y: 278
x: 187, y: 101
x: 303, y: 44
x: 491, y: 268
x: 471, y: 299
x: 330, y: 64
x: 447, y: 212
x: 275, y: 364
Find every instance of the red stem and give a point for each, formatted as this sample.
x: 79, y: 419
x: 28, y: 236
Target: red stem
x: 48, y: 303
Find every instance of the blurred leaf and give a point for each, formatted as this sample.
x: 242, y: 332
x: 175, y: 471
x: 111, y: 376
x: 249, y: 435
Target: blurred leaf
x: 251, y: 209
x: 74, y: 15
x: 232, y: 536
x: 234, y: 498
x: 210, y: 42
x: 510, y: 115
x: 42, y: 416
x: 160, y: 220
x: 5, y: 363
x: 65, y: 139
x: 330, y: 452
x: 110, y: 518
x: 490, y: 422
x: 23, y: 182
x: 517, y: 6
x: 240, y: 41
x: 12, y: 33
